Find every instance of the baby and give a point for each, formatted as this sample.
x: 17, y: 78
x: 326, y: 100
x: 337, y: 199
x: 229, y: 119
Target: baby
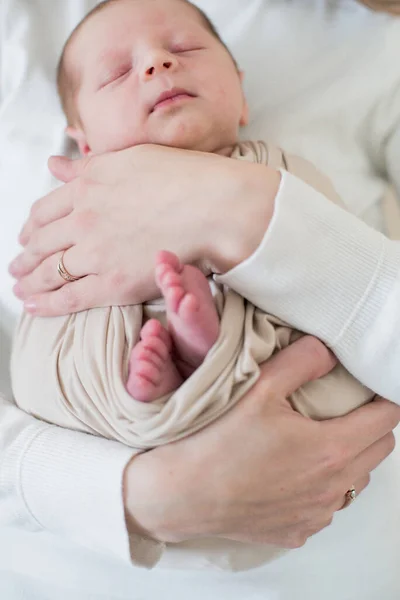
x: 155, y: 71
x: 186, y: 91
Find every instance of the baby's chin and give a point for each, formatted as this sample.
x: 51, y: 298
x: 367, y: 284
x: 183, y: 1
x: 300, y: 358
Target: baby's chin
x: 190, y: 134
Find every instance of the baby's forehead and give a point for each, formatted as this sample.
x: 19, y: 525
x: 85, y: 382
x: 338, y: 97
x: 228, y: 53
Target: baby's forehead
x: 101, y: 29
x: 150, y: 13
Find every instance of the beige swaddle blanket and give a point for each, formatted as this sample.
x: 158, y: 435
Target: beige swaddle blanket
x: 72, y: 370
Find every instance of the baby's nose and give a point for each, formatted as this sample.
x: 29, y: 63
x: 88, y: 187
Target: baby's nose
x: 158, y: 63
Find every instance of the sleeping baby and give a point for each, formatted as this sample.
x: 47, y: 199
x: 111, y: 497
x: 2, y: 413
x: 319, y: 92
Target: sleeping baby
x: 156, y: 72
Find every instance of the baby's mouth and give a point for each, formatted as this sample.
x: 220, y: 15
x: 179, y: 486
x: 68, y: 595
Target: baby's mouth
x: 171, y: 97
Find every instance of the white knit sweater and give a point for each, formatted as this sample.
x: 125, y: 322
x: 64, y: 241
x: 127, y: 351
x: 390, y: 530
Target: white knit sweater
x: 335, y: 98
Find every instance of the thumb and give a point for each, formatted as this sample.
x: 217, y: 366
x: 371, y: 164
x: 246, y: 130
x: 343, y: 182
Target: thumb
x: 65, y: 169
x: 303, y: 361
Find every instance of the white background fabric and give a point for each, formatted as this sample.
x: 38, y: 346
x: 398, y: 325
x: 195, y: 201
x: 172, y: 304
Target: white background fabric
x: 315, y: 74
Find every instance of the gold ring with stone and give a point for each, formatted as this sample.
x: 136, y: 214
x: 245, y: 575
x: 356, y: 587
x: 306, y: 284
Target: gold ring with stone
x: 350, y: 496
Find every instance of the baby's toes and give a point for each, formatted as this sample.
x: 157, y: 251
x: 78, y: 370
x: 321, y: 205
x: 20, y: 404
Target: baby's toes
x: 167, y: 277
x: 158, y: 346
x: 146, y: 370
x: 154, y: 330
x: 168, y: 258
x: 188, y: 307
x: 173, y: 298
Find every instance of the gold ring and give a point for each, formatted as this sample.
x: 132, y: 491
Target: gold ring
x: 350, y: 496
x: 66, y: 275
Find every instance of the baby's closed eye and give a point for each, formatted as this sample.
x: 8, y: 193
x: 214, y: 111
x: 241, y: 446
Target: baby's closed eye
x: 184, y: 48
x: 115, y: 74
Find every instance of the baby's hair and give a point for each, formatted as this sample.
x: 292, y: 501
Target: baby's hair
x: 67, y: 83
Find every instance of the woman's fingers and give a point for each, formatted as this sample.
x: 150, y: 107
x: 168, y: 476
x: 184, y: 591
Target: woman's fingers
x: 46, y: 278
x: 370, y: 459
x: 65, y: 169
x: 70, y: 298
x: 372, y: 423
x: 56, y: 205
x: 54, y: 237
x: 303, y: 361
x: 359, y: 484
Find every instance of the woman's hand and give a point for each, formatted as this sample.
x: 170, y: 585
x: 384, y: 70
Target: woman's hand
x: 261, y: 473
x: 389, y: 6
x: 117, y: 210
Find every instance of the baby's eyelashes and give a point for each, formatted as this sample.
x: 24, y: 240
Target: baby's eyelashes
x: 184, y: 50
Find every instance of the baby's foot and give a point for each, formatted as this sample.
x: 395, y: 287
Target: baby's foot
x: 151, y: 370
x: 192, y: 317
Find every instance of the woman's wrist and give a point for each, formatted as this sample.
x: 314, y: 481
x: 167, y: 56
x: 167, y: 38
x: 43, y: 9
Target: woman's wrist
x: 161, y: 499
x: 243, y: 214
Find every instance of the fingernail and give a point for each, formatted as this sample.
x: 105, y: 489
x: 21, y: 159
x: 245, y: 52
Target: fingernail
x: 30, y: 306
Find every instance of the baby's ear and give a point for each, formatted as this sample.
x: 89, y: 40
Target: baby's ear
x: 78, y: 135
x: 244, y: 119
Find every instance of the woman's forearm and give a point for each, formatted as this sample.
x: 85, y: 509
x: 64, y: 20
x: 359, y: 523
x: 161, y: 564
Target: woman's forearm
x: 325, y: 272
x: 62, y: 481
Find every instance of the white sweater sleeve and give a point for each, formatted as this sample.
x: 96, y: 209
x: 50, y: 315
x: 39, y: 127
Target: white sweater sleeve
x: 64, y: 482
x: 326, y: 273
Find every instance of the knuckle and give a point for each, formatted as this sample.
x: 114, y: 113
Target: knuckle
x: 391, y: 442
x: 317, y: 527
x: 35, y: 213
x: 326, y: 497
x: 319, y: 355
x: 86, y: 220
x: 326, y: 523
x: 334, y: 458
x: 328, y: 520
x: 365, y: 483
x: 296, y: 540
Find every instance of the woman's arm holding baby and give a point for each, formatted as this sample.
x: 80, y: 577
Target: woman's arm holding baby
x: 60, y: 481
x: 281, y: 484
x: 97, y: 209
x: 205, y: 208
x: 76, y: 486
x: 317, y: 267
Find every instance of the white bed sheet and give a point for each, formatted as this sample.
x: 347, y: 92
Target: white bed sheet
x: 31, y: 128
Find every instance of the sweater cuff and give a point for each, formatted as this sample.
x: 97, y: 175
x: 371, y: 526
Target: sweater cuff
x: 320, y: 269
x: 71, y: 485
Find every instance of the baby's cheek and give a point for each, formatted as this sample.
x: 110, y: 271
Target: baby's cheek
x: 222, y: 93
x: 226, y: 101
x: 116, y: 133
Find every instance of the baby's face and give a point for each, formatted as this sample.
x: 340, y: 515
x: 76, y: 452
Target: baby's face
x: 151, y: 72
